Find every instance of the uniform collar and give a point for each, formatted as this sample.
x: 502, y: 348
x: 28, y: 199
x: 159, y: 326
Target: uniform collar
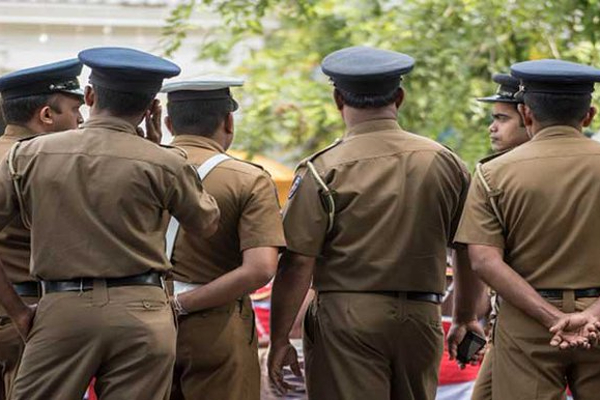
x: 17, y: 132
x: 557, y: 131
x: 197, y: 141
x: 375, y: 125
x: 112, y: 123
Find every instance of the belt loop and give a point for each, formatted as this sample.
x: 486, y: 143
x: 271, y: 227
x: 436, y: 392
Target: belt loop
x: 568, y: 301
x: 99, y: 292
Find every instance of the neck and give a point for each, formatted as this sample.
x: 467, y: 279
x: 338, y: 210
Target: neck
x: 355, y: 116
x: 132, y: 119
x: 536, y: 127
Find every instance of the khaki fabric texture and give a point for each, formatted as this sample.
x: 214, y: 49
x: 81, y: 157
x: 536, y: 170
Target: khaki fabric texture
x: 482, y: 389
x: 526, y: 367
x: 15, y: 247
x: 406, y: 189
x: 124, y: 336
x: 98, y: 198
x: 370, y: 346
x: 217, y: 355
x: 250, y: 215
x: 547, y: 194
x: 11, y: 349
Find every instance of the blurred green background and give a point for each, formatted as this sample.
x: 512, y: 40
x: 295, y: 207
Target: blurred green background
x: 458, y: 45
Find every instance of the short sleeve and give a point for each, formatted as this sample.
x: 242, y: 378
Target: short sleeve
x: 304, y: 217
x: 479, y: 224
x: 260, y: 221
x: 195, y: 209
x: 9, y: 207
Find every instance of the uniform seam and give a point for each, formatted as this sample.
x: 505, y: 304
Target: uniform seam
x: 377, y: 157
x: 161, y: 166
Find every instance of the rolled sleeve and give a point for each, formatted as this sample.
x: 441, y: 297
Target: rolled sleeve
x: 479, y: 224
x: 304, y: 217
x: 260, y: 222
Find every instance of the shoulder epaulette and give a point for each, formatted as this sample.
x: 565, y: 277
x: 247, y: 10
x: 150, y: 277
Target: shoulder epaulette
x: 314, y: 156
x: 493, y: 156
x: 26, y: 138
x: 175, y: 149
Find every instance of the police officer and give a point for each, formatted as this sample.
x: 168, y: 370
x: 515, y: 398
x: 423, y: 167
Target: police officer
x: 35, y: 101
x: 368, y: 220
x: 506, y: 132
x: 531, y: 222
x: 217, y: 346
x: 96, y: 200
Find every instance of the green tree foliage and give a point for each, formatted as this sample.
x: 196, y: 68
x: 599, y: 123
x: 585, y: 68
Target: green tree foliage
x: 458, y: 44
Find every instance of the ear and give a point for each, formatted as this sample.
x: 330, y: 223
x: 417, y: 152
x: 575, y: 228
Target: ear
x: 339, y: 101
x: 399, y: 97
x: 526, y: 114
x: 46, y: 115
x: 589, y: 117
x: 229, y: 125
x: 169, y: 124
x: 89, y: 96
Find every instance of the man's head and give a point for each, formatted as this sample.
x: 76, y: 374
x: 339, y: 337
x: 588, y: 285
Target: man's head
x: 556, y: 92
x: 366, y: 79
x: 44, y: 99
x: 124, y: 81
x: 507, y: 129
x: 202, y: 107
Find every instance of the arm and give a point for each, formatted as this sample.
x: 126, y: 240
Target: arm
x: 488, y: 263
x: 258, y: 267
x: 191, y: 205
x: 469, y: 292
x: 19, y: 312
x: 292, y: 282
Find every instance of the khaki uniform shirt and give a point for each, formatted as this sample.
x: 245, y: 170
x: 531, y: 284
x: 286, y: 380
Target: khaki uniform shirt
x: 547, y: 193
x: 97, y: 199
x: 15, y: 239
x: 250, y: 215
x: 398, y: 198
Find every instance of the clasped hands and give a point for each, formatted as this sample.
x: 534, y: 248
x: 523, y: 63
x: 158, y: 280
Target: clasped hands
x: 575, y: 330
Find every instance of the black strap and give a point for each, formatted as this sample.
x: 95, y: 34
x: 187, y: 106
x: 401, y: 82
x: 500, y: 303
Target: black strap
x: 151, y: 278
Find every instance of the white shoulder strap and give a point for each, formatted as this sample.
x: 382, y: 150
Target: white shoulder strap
x: 203, y: 170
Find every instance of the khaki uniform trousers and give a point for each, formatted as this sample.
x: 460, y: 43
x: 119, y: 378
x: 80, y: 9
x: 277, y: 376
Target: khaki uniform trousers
x: 482, y: 390
x: 124, y: 336
x: 217, y: 355
x: 11, y: 349
x: 526, y: 367
x: 372, y: 346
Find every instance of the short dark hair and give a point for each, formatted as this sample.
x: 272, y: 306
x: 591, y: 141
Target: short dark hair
x: 367, y: 100
x: 198, y: 117
x: 558, y: 109
x: 122, y: 104
x: 20, y: 110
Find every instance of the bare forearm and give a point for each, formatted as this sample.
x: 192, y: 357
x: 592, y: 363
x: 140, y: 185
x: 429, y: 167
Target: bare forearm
x: 258, y: 268
x: 511, y: 286
x: 469, y: 290
x: 292, y: 282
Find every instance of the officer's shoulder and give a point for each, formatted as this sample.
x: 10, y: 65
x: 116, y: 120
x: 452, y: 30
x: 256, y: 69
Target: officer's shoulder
x: 492, y: 156
x: 319, y: 154
x: 175, y: 150
x: 244, y: 166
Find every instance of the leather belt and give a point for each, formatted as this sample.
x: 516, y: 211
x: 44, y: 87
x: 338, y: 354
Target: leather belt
x: 557, y: 294
x: 83, y: 284
x: 429, y: 297
x: 28, y: 289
